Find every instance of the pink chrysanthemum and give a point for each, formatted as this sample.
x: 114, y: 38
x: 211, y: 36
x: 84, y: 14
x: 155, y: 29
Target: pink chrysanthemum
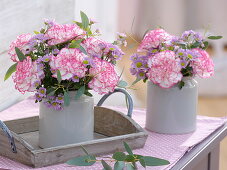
x: 153, y: 39
x: 21, y: 43
x: 26, y: 75
x: 203, y: 65
x: 69, y: 62
x: 165, y: 69
x: 94, y: 46
x: 59, y: 33
x: 105, y: 77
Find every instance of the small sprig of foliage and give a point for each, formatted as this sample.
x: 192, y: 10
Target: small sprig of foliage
x: 120, y: 160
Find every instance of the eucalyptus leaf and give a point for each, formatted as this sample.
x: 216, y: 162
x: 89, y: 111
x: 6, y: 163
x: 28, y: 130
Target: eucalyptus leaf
x: 128, y: 149
x: 20, y: 55
x: 122, y: 84
x: 83, y: 50
x: 10, y: 71
x: 75, y: 43
x: 181, y: 84
x: 80, y: 92
x: 195, y: 45
x: 87, y: 93
x: 84, y: 19
x: 66, y: 98
x: 86, y: 160
x: 50, y: 91
x: 136, y: 81
x: 130, y: 158
x: 152, y: 161
x: 78, y: 23
x: 119, y: 156
x: 119, y: 165
x: 205, y: 45
x: 130, y: 166
x: 59, y: 76
x: 142, y: 162
x: 105, y: 165
x: 85, y: 151
x: 36, y: 32
x: 214, y: 37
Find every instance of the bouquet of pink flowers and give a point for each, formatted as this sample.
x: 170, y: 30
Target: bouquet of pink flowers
x: 169, y: 58
x: 62, y: 58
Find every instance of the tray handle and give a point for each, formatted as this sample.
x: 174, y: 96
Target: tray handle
x: 129, y: 98
x: 9, y: 135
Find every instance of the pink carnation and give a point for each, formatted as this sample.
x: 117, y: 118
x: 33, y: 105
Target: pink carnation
x: 153, y: 39
x: 60, y: 33
x: 105, y: 77
x: 69, y: 62
x: 165, y: 69
x: 21, y: 43
x: 26, y: 75
x: 94, y: 46
x: 203, y: 65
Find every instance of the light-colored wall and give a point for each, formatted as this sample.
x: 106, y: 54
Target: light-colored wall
x: 24, y: 16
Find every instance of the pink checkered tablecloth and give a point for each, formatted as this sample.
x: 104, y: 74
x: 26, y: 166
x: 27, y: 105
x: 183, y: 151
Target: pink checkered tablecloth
x: 170, y: 147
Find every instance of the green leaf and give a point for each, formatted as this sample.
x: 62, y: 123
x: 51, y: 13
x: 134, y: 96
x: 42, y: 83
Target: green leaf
x: 75, y: 43
x: 206, y: 44
x: 128, y: 149
x: 105, y: 165
x: 85, y: 151
x: 20, y: 55
x: 50, y: 91
x: 87, y: 93
x: 142, y: 162
x: 83, y: 50
x: 84, y: 19
x: 119, y: 156
x: 195, y: 45
x: 119, y: 165
x: 59, y: 76
x: 36, y: 32
x: 86, y: 160
x: 10, y: 71
x: 122, y: 84
x: 181, y: 84
x: 152, y: 161
x: 130, y: 166
x: 130, y: 158
x: 78, y: 23
x: 136, y: 81
x: 80, y: 92
x: 66, y: 98
x: 122, y: 72
x: 214, y: 37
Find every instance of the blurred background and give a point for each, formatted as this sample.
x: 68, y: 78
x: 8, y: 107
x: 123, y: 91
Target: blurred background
x: 133, y: 17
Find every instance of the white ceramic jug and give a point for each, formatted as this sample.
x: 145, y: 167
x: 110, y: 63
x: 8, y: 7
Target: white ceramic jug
x: 173, y: 110
x: 73, y: 124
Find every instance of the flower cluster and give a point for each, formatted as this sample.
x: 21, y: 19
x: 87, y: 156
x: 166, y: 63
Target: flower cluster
x: 169, y: 58
x: 62, y: 58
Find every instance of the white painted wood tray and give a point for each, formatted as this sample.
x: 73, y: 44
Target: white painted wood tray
x: 111, y: 129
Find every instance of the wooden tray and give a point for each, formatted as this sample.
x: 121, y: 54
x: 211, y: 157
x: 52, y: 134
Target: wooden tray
x: 111, y: 129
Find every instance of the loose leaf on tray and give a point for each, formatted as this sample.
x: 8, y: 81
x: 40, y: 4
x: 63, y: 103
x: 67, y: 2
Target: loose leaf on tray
x: 86, y: 160
x: 152, y: 161
x: 128, y: 149
x: 119, y: 156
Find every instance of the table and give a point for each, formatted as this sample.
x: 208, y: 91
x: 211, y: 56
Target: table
x: 183, y: 151
x: 204, y: 156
